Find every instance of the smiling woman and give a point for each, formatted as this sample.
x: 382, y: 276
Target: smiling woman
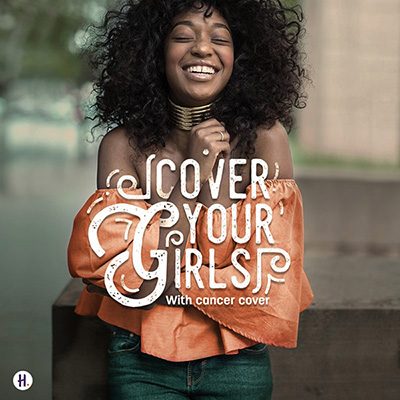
x: 266, y: 81
x: 200, y: 92
x: 198, y: 49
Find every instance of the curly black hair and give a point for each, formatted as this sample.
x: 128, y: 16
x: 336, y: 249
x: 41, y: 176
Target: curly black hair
x: 266, y: 82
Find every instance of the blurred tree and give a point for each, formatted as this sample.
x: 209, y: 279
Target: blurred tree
x: 42, y: 38
x: 291, y: 3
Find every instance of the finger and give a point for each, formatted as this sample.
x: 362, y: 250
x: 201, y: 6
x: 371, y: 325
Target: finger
x: 211, y: 133
x: 100, y: 291
x: 95, y: 289
x: 91, y: 288
x: 207, y: 124
x: 222, y: 148
x: 221, y: 136
x: 206, y: 130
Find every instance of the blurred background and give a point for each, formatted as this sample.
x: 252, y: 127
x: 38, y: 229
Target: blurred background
x: 47, y: 169
x: 349, y: 134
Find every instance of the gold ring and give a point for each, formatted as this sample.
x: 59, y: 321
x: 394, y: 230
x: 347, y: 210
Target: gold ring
x: 222, y: 136
x: 206, y: 152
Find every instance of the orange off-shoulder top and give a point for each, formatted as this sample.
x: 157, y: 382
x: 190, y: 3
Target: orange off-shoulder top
x: 202, y: 330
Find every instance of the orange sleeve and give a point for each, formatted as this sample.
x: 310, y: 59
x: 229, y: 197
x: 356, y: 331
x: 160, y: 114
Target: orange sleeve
x: 289, y: 293
x: 115, y: 236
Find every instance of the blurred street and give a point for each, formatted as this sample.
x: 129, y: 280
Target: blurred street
x: 37, y: 212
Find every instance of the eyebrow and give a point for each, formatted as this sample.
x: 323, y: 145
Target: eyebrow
x: 190, y: 23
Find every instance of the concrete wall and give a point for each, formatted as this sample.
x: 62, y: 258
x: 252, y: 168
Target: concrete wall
x: 351, y: 212
x: 353, y: 49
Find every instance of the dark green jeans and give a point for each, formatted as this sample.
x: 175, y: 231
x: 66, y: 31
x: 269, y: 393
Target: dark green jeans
x: 136, y: 375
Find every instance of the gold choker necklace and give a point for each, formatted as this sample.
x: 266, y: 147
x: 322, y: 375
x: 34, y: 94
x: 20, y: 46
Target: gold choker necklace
x: 187, y: 117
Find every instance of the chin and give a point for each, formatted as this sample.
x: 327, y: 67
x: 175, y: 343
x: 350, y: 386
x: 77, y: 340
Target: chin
x: 201, y: 99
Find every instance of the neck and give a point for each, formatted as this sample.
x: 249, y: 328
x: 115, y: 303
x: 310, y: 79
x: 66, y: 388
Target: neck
x: 185, y: 118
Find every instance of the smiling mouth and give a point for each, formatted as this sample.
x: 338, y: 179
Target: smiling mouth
x: 201, y: 69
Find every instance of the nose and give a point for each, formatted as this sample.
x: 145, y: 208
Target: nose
x: 202, y: 47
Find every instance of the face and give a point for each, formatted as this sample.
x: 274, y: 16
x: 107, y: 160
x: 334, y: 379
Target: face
x: 199, y: 57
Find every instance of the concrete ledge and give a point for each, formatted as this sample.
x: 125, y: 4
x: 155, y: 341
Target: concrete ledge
x: 349, y: 339
x: 79, y: 350
x: 342, y: 354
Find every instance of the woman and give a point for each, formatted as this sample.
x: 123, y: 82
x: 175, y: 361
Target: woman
x: 200, y: 84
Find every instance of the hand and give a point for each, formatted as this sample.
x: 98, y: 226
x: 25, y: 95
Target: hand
x: 206, y: 135
x: 172, y: 291
x: 91, y: 288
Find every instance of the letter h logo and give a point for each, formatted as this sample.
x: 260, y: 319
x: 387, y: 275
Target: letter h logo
x: 22, y: 380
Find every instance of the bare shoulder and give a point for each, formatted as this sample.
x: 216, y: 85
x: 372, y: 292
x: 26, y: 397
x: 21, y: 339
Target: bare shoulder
x: 115, y: 152
x: 272, y: 146
x: 115, y: 143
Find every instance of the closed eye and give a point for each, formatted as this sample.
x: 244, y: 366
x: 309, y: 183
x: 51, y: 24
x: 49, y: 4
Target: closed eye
x: 221, y: 40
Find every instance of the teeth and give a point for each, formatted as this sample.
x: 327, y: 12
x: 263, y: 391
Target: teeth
x: 201, y: 69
